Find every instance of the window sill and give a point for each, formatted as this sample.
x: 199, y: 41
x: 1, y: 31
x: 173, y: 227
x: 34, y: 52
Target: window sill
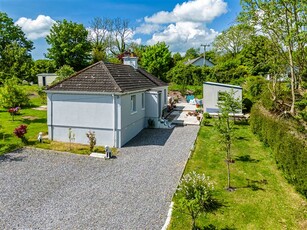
x: 133, y: 112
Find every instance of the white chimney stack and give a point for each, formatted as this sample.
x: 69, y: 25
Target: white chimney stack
x: 132, y: 61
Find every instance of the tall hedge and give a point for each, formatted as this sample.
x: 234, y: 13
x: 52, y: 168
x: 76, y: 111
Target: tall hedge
x: 289, y: 148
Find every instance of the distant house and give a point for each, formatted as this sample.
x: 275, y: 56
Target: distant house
x: 45, y: 79
x: 113, y: 100
x: 199, y: 62
x: 213, y: 93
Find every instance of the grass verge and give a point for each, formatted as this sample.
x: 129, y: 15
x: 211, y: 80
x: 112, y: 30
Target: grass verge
x: 263, y: 199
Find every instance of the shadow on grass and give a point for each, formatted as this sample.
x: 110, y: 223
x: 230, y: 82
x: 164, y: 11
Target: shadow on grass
x: 242, y: 138
x: 212, y: 227
x: 246, y: 158
x: 255, y: 185
x: 39, y: 120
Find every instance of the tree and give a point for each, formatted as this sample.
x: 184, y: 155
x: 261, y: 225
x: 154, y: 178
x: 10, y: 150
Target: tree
x: 16, y: 62
x: 284, y: 21
x: 228, y: 104
x: 64, y: 72
x: 100, y: 37
x: 69, y: 44
x: 232, y: 40
x: 195, y: 193
x: 12, y: 94
x: 192, y: 53
x: 177, y: 58
x: 15, y: 48
x: 109, y: 35
x: 157, y: 60
x: 120, y: 32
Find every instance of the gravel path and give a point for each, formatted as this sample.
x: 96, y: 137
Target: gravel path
x: 49, y: 190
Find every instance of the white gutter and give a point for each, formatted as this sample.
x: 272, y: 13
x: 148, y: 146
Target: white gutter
x: 95, y: 93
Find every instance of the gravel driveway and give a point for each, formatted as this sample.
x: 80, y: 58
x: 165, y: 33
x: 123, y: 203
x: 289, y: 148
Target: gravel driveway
x: 49, y: 190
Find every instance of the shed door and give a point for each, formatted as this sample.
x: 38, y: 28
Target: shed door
x: 44, y: 81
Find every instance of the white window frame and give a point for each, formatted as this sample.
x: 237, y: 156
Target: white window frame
x: 133, y: 104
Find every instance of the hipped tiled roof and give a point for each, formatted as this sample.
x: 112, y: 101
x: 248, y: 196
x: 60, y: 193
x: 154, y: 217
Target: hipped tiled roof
x: 108, y: 77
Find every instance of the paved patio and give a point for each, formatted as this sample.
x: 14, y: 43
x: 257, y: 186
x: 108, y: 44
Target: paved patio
x: 182, y: 117
x: 49, y: 190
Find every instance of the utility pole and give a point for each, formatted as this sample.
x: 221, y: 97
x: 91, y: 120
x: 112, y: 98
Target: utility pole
x: 206, y: 45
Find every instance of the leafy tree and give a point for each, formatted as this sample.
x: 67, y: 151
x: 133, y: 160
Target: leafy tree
x: 16, y: 62
x: 284, y: 22
x: 257, y: 54
x: 177, y: 58
x: 228, y: 105
x: 15, y: 48
x: 183, y: 74
x: 157, y: 60
x: 192, y: 53
x: 232, y: 40
x: 195, y: 193
x: 12, y: 94
x: 69, y: 44
x: 64, y: 72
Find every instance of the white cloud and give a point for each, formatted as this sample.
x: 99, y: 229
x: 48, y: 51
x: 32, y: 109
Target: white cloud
x: 147, y: 28
x: 37, y: 28
x: 184, y: 35
x: 193, y: 11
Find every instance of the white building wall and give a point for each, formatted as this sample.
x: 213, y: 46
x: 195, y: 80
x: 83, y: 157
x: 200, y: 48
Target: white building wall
x: 210, y: 95
x: 49, y: 78
x: 81, y: 113
x: 131, y: 122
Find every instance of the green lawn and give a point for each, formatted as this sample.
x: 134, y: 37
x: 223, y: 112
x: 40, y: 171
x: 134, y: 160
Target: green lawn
x: 36, y: 121
x: 262, y: 200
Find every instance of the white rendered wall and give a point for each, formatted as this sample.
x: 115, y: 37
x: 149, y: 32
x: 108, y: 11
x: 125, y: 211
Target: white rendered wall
x: 210, y: 96
x: 49, y: 79
x: 131, y: 122
x: 81, y: 113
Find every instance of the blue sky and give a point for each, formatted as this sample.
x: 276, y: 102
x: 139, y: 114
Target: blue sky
x: 181, y: 24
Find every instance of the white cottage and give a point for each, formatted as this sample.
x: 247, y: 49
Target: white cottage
x: 114, y: 100
x: 45, y: 79
x: 213, y: 92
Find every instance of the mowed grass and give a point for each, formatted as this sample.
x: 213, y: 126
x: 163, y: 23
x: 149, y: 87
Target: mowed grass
x: 263, y: 199
x: 36, y: 120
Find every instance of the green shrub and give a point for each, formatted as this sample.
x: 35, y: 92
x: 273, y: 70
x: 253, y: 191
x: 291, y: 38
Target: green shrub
x: 288, y: 146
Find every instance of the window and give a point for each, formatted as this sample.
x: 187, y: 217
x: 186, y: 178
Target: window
x: 143, y: 100
x: 221, y: 96
x: 165, y: 97
x: 133, y: 103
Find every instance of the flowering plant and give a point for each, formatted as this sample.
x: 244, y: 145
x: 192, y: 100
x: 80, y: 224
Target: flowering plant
x: 195, y: 193
x: 13, y: 111
x: 20, y: 133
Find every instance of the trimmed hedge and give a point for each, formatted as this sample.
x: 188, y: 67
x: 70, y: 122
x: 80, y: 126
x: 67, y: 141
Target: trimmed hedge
x: 289, y: 149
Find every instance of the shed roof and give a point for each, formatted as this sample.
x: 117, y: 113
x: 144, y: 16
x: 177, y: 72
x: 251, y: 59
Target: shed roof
x: 108, y: 77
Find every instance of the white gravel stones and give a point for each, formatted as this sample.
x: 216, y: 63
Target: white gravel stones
x: 49, y: 190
